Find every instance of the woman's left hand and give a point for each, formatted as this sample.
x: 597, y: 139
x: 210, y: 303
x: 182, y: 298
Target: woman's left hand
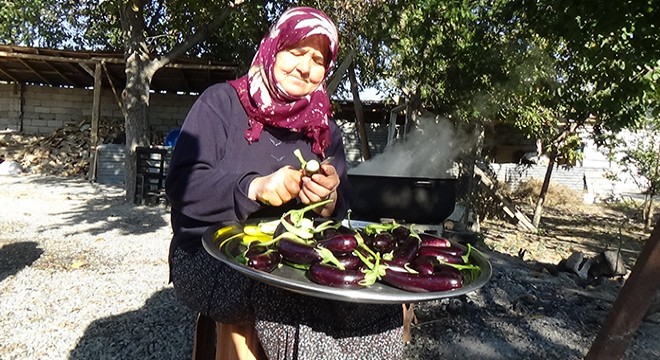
x: 321, y: 186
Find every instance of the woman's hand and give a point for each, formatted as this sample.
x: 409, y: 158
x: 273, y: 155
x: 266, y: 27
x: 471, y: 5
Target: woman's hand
x: 321, y: 186
x: 277, y: 188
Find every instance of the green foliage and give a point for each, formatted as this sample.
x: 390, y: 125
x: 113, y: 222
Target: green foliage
x: 641, y: 157
x: 43, y: 23
x: 96, y: 25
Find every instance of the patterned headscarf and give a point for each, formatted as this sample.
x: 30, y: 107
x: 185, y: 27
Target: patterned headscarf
x: 266, y: 103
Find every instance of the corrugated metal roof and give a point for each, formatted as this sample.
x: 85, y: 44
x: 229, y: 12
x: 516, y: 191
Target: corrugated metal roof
x: 65, y: 68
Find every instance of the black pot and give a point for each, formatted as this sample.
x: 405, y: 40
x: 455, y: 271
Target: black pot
x: 406, y: 199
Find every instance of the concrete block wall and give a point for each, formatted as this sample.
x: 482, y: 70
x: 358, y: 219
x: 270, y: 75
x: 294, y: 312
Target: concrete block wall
x: 579, y: 178
x: 39, y: 110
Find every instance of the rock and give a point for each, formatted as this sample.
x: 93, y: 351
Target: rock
x: 609, y: 263
x: 10, y: 168
x: 578, y: 264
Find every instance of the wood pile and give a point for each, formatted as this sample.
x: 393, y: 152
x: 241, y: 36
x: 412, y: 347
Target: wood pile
x: 65, y: 152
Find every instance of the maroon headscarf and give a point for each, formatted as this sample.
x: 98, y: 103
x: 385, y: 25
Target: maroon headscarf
x: 266, y: 103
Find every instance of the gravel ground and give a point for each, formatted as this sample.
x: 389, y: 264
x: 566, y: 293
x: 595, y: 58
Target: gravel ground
x: 83, y: 275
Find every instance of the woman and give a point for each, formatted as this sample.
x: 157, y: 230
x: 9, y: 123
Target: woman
x: 234, y: 160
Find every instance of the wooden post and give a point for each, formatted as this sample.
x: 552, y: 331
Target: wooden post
x: 96, y: 114
x: 631, y: 304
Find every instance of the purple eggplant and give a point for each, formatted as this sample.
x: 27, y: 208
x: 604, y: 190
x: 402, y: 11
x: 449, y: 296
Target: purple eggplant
x: 264, y: 261
x: 432, y: 264
x: 329, y: 275
x: 350, y: 261
x: 401, y: 233
x: 297, y: 252
x: 424, y: 264
x: 439, y: 281
x: 340, y: 244
x: 434, y: 241
x: 383, y: 242
x: 406, y: 251
x: 440, y: 254
x: 454, y: 250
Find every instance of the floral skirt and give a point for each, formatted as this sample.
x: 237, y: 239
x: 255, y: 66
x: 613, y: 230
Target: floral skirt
x: 289, y: 325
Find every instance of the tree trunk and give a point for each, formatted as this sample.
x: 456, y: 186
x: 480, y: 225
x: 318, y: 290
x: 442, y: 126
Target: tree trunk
x: 140, y: 69
x: 359, y: 115
x: 648, y: 212
x: 538, y: 209
x: 136, y: 93
x: 475, y: 155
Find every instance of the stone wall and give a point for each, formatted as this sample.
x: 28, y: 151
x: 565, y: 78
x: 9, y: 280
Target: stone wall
x: 39, y: 110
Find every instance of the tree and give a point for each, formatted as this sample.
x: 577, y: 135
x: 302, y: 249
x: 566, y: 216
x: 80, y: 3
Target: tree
x: 642, y: 158
x: 141, y: 64
x: 545, y: 67
x: 150, y: 33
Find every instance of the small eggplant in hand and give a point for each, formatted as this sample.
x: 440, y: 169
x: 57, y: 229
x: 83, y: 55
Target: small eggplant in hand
x: 329, y: 275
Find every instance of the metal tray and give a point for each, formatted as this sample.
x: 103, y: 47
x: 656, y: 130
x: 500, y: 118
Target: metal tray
x: 292, y: 279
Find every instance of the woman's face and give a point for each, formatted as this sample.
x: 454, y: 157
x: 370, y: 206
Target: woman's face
x: 300, y: 69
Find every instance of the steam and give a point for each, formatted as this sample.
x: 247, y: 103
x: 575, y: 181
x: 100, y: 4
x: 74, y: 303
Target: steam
x: 429, y: 150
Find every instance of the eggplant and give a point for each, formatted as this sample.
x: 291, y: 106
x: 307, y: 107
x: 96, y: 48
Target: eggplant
x: 297, y: 252
x: 424, y: 265
x: 406, y: 251
x: 340, y: 244
x: 453, y: 250
x: 401, y: 233
x: 325, y: 234
x: 440, y: 254
x: 440, y: 281
x: 383, y: 243
x: 329, y: 275
x: 434, y: 241
x: 264, y: 261
x: 432, y: 264
x: 350, y: 261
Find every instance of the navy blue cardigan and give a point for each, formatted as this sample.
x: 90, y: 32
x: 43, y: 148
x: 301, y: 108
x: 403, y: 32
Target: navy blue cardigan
x: 212, y: 166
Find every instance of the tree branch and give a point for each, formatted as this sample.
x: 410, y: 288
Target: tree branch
x: 197, y: 37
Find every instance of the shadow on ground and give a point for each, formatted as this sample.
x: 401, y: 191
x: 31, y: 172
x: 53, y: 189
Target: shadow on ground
x: 16, y: 256
x: 105, y: 209
x: 161, y: 329
x: 521, y: 313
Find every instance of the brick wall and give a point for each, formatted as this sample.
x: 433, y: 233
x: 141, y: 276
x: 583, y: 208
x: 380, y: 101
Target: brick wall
x: 39, y: 110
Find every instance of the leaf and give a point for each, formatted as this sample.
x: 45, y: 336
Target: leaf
x: 78, y: 263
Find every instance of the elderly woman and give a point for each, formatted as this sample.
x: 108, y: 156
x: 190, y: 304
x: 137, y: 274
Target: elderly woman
x: 234, y: 161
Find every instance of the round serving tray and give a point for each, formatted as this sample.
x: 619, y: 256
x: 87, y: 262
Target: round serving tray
x: 292, y: 279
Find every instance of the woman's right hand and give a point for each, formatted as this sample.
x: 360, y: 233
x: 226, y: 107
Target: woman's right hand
x: 277, y: 188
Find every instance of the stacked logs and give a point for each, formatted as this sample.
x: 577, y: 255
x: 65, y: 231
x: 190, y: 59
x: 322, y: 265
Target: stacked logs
x: 65, y: 152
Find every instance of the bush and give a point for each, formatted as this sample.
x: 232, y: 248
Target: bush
x: 558, y: 196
